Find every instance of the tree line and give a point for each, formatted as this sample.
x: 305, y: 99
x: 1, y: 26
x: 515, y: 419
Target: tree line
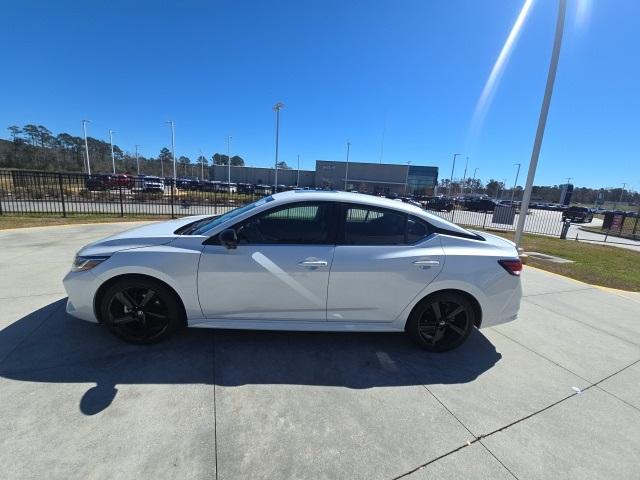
x: 548, y: 194
x: 35, y: 147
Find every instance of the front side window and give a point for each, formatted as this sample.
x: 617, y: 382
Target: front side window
x: 301, y: 223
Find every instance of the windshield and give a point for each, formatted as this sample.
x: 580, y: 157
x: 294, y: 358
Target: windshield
x: 201, y: 228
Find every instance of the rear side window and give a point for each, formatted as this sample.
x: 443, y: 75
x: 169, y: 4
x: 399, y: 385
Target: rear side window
x: 416, y: 229
x: 377, y: 226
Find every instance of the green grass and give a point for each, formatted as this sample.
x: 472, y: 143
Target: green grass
x: 25, y: 221
x: 602, y: 265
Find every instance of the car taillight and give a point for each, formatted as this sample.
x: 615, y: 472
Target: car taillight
x: 514, y: 267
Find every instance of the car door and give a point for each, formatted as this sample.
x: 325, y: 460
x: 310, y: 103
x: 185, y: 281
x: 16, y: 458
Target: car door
x: 383, y: 259
x: 279, y: 270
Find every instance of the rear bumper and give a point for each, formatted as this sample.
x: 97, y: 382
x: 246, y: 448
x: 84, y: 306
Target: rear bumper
x: 507, y: 306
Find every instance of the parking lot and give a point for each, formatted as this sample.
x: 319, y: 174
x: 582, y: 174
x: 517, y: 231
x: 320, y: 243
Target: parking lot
x: 555, y: 394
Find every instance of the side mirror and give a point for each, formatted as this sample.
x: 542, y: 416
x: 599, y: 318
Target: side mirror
x: 229, y: 239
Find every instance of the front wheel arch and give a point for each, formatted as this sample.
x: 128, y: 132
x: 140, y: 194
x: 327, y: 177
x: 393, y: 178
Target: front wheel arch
x: 471, y: 298
x: 97, y: 299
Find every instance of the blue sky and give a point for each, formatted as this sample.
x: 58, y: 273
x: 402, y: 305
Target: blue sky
x: 343, y: 69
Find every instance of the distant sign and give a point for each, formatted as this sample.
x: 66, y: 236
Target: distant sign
x: 504, y: 215
x: 616, y: 223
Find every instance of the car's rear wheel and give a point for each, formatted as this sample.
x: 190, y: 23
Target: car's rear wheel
x: 442, y: 321
x: 141, y: 311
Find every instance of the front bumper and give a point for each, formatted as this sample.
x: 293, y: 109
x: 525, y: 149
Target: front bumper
x: 81, y: 288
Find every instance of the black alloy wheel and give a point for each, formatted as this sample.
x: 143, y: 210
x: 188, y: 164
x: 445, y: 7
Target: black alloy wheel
x: 141, y: 311
x: 442, y: 321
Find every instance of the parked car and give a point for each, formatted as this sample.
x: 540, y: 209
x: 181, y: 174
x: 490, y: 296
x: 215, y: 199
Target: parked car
x: 97, y: 182
x: 120, y: 180
x: 578, y: 214
x: 149, y: 183
x: 438, y: 204
x: 303, y: 260
x: 480, y: 204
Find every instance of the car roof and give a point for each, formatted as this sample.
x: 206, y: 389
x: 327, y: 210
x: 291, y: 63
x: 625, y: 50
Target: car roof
x: 363, y: 199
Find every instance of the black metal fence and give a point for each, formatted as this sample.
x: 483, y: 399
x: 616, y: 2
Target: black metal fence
x: 503, y: 218
x: 66, y: 194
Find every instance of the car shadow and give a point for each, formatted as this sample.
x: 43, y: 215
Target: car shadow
x: 50, y: 346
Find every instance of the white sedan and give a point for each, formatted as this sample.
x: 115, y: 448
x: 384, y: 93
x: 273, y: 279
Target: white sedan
x: 301, y: 260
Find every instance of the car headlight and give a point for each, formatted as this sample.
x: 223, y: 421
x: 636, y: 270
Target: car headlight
x: 81, y: 264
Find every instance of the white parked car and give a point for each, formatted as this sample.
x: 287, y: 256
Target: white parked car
x: 300, y: 260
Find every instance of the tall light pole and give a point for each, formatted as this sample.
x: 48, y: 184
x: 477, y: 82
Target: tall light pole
x: 515, y: 184
x: 542, y: 119
x: 452, y: 168
x: 202, y: 157
x: 229, y: 162
x: 113, y: 157
x: 475, y: 170
x: 137, y: 160
x: 173, y: 146
x: 298, y: 175
x: 464, y: 176
x: 622, y: 192
x: 406, y: 178
x: 86, y: 145
x: 346, y: 172
x: 277, y: 107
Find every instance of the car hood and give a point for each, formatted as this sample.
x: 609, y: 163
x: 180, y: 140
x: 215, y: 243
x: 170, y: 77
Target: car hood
x: 157, y: 233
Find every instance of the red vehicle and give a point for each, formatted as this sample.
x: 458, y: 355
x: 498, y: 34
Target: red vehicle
x: 120, y: 180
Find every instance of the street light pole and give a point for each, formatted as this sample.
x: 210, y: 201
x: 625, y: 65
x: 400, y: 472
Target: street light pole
x: 406, y: 178
x: 346, y: 172
x: 173, y: 147
x: 113, y: 158
x: 202, y: 165
x: 229, y: 162
x: 474, y: 178
x: 452, y: 169
x: 298, y: 176
x: 464, y: 177
x: 277, y: 107
x: 86, y: 145
x: 515, y: 184
x: 542, y: 120
x: 137, y: 160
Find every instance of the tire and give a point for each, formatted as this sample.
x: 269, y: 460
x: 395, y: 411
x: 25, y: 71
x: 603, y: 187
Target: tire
x: 141, y: 311
x: 432, y: 326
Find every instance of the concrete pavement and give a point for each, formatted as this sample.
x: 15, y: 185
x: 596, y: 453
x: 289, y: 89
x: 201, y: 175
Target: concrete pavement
x: 552, y: 395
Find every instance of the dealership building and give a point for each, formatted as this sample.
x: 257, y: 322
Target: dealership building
x: 364, y: 177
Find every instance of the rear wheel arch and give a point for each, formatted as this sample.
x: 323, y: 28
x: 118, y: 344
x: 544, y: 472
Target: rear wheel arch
x: 471, y: 298
x: 97, y: 299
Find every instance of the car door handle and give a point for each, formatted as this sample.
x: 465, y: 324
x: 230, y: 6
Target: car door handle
x: 427, y: 263
x: 313, y: 263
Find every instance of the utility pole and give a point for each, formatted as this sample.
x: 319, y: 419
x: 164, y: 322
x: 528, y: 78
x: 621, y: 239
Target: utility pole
x: 202, y: 157
x: 277, y: 107
x: 86, y: 145
x: 173, y: 147
x: 452, y: 169
x: 474, y: 178
x: 137, y: 160
x: 113, y: 158
x: 229, y: 162
x: 622, y: 192
x: 464, y: 176
x: 298, y: 176
x: 515, y: 183
x: 346, y: 172
x: 542, y: 119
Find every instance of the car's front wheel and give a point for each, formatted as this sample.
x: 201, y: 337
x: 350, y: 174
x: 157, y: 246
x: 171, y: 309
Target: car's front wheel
x: 442, y: 321
x: 141, y: 310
